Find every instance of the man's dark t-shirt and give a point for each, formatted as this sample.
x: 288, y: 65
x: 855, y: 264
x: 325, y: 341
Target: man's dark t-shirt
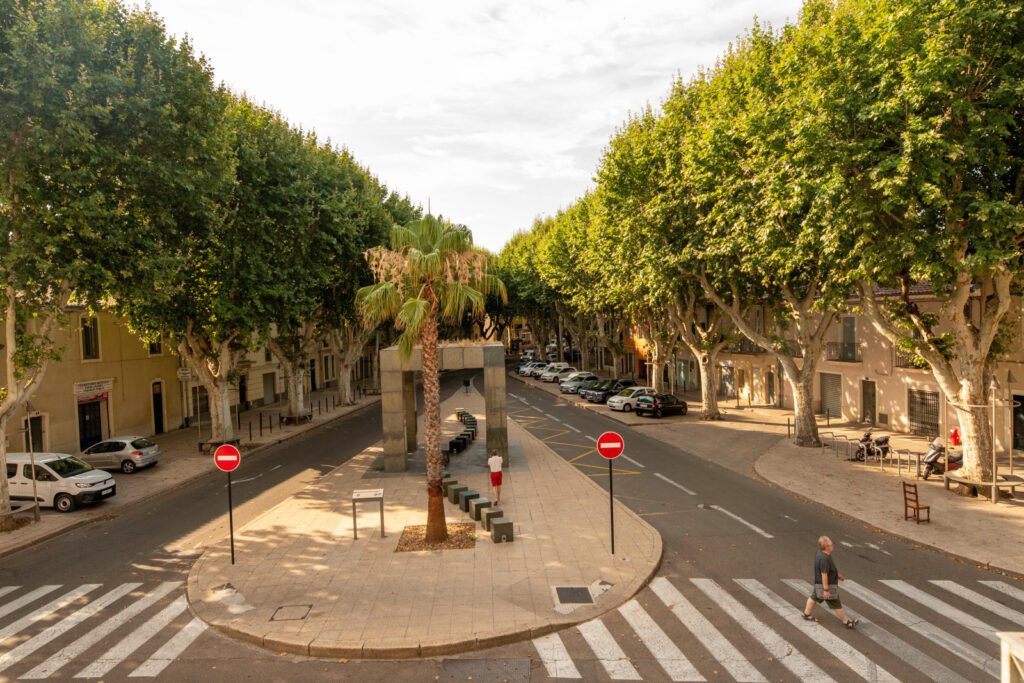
x: 823, y: 564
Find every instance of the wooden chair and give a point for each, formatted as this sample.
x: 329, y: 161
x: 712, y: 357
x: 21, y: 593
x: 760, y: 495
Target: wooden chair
x: 912, y: 506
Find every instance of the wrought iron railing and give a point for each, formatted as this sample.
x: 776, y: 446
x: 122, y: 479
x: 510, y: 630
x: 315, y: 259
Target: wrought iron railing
x: 845, y: 352
x: 744, y: 346
x: 909, y: 359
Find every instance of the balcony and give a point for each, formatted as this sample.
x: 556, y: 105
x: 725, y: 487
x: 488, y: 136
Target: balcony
x: 907, y: 359
x: 744, y: 346
x: 844, y: 352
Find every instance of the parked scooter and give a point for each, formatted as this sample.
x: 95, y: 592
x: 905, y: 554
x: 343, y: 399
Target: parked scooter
x: 872, y: 447
x: 936, y: 461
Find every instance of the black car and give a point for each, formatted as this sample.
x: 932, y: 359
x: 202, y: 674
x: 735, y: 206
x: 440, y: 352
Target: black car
x: 603, y: 392
x: 659, y: 404
x: 593, y: 385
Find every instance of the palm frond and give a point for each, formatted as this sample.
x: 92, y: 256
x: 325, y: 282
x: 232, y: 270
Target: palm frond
x: 456, y: 298
x: 379, y: 302
x: 492, y: 284
x: 410, y: 320
x: 402, y: 237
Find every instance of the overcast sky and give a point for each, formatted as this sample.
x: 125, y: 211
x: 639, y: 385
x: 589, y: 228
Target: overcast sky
x: 494, y: 111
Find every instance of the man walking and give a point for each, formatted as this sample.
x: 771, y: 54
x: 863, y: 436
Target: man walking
x: 494, y: 462
x: 826, y: 584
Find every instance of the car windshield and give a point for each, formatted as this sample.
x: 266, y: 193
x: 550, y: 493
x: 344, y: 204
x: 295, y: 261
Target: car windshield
x: 69, y: 467
x: 626, y: 393
x: 666, y: 398
x: 645, y: 399
x: 143, y: 443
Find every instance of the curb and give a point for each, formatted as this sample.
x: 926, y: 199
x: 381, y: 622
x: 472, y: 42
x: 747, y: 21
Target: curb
x: 421, y: 650
x: 77, y: 524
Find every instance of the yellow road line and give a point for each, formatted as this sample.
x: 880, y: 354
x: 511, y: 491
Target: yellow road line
x: 583, y: 455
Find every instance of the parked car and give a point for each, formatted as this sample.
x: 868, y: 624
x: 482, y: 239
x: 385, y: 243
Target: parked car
x: 558, y: 374
x: 125, y: 453
x: 548, y: 368
x: 584, y: 392
x: 529, y: 355
x: 574, y: 383
x: 626, y: 399
x: 530, y: 367
x: 659, y: 405
x: 603, y: 393
x: 63, y: 481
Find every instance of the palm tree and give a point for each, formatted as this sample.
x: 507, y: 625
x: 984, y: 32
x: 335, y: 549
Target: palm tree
x: 430, y: 271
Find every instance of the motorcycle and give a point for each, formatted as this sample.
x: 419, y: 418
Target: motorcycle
x: 935, y: 463
x: 869, y: 447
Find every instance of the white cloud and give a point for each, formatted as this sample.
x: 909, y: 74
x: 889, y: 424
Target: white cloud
x: 496, y: 111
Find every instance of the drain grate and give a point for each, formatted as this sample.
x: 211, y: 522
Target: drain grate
x: 291, y: 612
x: 574, y: 595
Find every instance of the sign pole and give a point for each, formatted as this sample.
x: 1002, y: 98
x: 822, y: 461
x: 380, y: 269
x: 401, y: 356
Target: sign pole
x: 231, y: 520
x: 611, y: 503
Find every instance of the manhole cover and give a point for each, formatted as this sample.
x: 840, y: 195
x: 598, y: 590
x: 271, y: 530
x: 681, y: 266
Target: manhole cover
x: 511, y: 670
x: 291, y: 612
x: 574, y: 595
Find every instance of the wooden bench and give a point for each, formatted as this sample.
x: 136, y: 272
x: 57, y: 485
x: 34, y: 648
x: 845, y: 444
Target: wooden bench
x: 912, y: 507
x: 1006, y: 481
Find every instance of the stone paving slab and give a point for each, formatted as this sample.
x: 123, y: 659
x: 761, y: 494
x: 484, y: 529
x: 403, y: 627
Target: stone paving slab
x: 180, y: 463
x: 367, y: 600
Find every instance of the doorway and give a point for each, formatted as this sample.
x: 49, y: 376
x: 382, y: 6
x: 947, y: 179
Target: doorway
x: 771, y: 388
x: 312, y: 374
x: 243, y: 392
x: 269, y: 388
x: 868, y: 408
x: 1018, y: 422
x: 90, y: 424
x: 158, y: 407
x: 35, y: 429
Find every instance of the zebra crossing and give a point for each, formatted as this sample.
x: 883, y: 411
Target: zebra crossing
x: 82, y: 632
x: 752, y: 631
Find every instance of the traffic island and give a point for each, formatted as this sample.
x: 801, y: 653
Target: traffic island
x: 368, y: 601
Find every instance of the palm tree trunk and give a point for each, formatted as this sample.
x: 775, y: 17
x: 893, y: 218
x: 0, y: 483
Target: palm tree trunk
x: 437, y: 527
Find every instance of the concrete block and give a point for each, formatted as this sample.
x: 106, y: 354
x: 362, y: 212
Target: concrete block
x: 489, y: 515
x: 474, y: 356
x: 501, y: 530
x: 452, y: 358
x: 477, y: 506
x: 446, y: 483
x: 465, y: 497
x: 454, y: 491
x: 395, y: 462
x: 493, y: 356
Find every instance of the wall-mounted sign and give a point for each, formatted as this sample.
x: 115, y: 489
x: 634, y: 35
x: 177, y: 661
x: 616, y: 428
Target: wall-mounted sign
x: 96, y: 390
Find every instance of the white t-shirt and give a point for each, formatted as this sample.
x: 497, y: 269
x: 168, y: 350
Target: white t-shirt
x: 494, y: 462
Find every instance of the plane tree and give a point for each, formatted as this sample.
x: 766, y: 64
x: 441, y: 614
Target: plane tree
x: 107, y: 129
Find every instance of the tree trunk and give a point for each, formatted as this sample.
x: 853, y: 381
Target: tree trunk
x: 6, y: 522
x: 346, y: 394
x: 295, y: 377
x: 802, y: 383
x: 212, y: 373
x: 437, y: 527
x: 708, y: 364
x: 976, y: 433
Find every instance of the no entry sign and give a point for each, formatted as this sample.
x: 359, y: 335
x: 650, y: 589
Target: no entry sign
x: 227, y: 458
x: 610, y: 445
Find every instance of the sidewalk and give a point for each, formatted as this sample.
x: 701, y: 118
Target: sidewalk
x: 301, y: 584
x: 752, y: 441
x: 180, y: 463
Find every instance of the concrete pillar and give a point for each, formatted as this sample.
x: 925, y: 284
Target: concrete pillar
x: 495, y: 400
x: 409, y: 409
x: 393, y: 413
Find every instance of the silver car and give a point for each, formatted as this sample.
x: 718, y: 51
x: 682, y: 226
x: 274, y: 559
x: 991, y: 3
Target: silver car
x: 125, y: 453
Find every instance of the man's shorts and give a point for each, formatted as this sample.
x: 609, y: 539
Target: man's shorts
x: 495, y: 478
x: 832, y: 602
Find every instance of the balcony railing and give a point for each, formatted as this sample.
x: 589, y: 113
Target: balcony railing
x: 744, y: 346
x: 906, y: 359
x: 844, y: 352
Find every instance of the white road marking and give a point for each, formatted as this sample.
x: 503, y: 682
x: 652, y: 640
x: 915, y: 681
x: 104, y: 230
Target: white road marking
x: 555, y: 657
x: 64, y: 625
x: 1005, y: 589
x: 538, y: 410
x: 8, y: 589
x: 721, y: 649
x: 958, y: 616
x: 878, y: 548
x: 573, y: 428
x: 242, y: 481
x: 512, y: 395
x: 133, y: 641
x: 790, y: 518
x: 170, y: 650
x: 626, y: 457
x: 678, y: 486
x: 847, y: 654
x: 742, y: 521
x: 608, y: 652
x: 275, y: 467
x: 98, y: 633
x: 801, y: 667
x: 591, y: 438
x: 908, y: 653
x: 671, y: 658
x: 46, y: 610
x: 933, y: 633
x: 982, y: 601
x: 15, y: 605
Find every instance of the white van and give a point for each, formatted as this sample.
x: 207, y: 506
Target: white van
x: 63, y: 482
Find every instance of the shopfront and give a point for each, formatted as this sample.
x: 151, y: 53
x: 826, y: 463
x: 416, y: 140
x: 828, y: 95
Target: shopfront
x: 93, y: 399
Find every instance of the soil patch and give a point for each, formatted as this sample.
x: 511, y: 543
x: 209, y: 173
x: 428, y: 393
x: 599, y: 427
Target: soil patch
x: 18, y: 523
x: 461, y: 536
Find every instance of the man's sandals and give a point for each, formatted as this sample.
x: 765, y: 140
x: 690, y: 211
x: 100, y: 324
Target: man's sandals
x: 851, y: 623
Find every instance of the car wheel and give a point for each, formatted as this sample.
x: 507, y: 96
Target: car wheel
x: 63, y: 503
x: 683, y: 411
x: 627, y: 408
x: 657, y: 413
x: 127, y: 466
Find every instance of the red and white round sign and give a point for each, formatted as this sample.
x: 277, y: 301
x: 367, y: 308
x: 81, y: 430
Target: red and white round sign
x: 227, y: 458
x: 610, y: 445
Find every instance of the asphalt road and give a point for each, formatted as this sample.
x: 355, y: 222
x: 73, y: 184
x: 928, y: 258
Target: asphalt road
x: 720, y: 528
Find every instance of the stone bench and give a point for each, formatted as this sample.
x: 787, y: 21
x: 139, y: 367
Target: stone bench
x: 1006, y: 481
x: 465, y: 497
x: 501, y: 530
x: 477, y: 507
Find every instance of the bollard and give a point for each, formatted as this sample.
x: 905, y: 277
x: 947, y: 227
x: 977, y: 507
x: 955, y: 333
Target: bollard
x: 238, y: 414
x: 828, y: 416
x: 318, y: 407
x: 787, y: 429
x: 250, y: 430
x: 261, y: 425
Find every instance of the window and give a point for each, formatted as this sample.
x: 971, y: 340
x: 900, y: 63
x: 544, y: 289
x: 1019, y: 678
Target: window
x: 156, y: 348
x: 42, y: 474
x: 11, y: 470
x: 90, y: 338
x: 266, y: 355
